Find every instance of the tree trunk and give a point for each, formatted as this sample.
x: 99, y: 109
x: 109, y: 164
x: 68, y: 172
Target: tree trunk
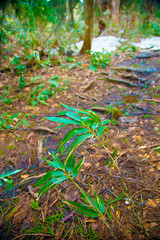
x: 88, y: 10
x: 71, y: 7
x: 149, y: 8
x: 115, y: 11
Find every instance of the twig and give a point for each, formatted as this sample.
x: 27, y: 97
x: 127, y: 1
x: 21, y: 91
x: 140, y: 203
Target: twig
x: 152, y: 100
x: 33, y: 177
x: 83, y: 97
x: 89, y: 86
x: 119, y: 81
x: 141, y: 70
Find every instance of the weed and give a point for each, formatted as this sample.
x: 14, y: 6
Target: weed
x: 41, y: 93
x: 11, y: 121
x: 128, y: 48
x: 89, y: 125
x: 5, y: 178
x: 20, y: 69
x: 100, y: 59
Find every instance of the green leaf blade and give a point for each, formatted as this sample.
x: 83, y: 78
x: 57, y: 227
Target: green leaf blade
x: 77, y: 142
x: 82, y: 209
x: 71, y: 134
x: 70, y: 164
x: 100, y: 203
x: 51, y: 184
x: 57, y: 163
x: 77, y: 169
x: 62, y: 120
x: 101, y: 130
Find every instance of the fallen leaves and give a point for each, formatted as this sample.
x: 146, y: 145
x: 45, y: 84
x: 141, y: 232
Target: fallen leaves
x: 151, y: 203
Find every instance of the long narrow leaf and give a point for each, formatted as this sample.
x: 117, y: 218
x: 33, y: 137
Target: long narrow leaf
x: 45, y: 178
x: 48, y: 175
x: 121, y: 196
x: 74, y: 109
x: 10, y: 173
x: 94, y: 116
x: 76, y: 143
x: 82, y: 209
x: 71, y: 134
x: 62, y: 120
x: 70, y: 164
x: 77, y: 168
x: 87, y: 198
x: 70, y: 114
x: 74, y: 116
x: 51, y: 184
x: 100, y: 203
x: 107, y: 121
x: 58, y: 163
x: 100, y: 130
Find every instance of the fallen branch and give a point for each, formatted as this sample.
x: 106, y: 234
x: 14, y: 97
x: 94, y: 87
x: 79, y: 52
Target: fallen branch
x: 101, y: 109
x: 43, y: 129
x: 85, y: 97
x: 152, y: 100
x: 119, y: 81
x: 134, y: 69
x: 89, y: 86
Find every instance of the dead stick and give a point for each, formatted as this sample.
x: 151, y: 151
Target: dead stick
x: 118, y: 81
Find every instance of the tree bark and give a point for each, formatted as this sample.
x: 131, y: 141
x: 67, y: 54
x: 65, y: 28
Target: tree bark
x: 71, y: 7
x: 115, y: 11
x: 88, y: 10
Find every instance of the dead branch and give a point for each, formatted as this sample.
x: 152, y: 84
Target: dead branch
x: 89, y: 86
x: 119, y: 81
x: 134, y: 69
x: 152, y: 100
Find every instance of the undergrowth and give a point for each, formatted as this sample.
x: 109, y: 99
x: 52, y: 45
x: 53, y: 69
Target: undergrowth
x: 88, y: 125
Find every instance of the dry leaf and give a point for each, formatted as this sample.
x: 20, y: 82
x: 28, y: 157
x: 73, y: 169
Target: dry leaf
x: 118, y: 215
x: 158, y: 166
x: 153, y: 224
x: 151, y: 170
x: 86, y: 164
x: 151, y: 203
x: 157, y: 200
x: 25, y: 176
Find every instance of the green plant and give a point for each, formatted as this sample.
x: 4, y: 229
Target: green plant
x: 5, y: 178
x: 128, y: 48
x: 6, y: 119
x: 20, y: 69
x: 41, y: 93
x: 11, y: 121
x: 99, y: 59
x: 90, y: 125
x: 35, y: 204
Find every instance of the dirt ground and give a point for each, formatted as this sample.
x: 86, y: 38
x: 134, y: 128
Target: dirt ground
x: 135, y: 135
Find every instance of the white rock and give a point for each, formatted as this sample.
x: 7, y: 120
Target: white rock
x: 110, y: 43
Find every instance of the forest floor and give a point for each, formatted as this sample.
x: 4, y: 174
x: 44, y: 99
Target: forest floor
x: 27, y: 136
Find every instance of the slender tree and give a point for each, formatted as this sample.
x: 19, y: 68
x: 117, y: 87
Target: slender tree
x: 115, y: 10
x: 88, y: 10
